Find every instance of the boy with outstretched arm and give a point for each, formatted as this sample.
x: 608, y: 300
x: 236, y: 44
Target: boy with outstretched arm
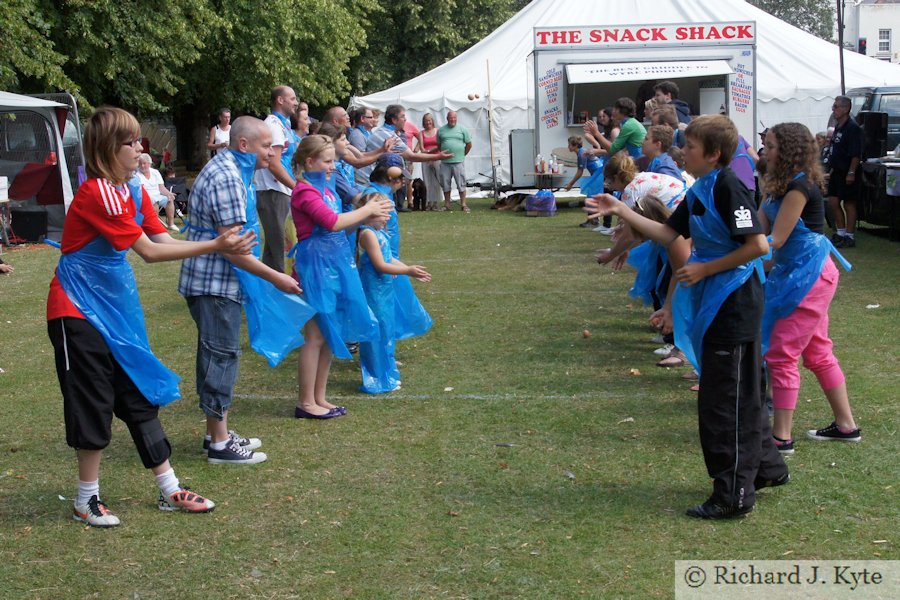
x: 716, y: 312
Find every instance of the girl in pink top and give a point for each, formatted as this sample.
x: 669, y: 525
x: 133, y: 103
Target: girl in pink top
x: 325, y: 265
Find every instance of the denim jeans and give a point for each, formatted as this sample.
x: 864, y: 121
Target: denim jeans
x: 218, y: 322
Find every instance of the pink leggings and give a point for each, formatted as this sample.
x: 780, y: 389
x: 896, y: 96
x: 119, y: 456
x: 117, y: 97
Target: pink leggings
x: 804, y: 333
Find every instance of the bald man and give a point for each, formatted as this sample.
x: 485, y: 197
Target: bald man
x: 212, y: 290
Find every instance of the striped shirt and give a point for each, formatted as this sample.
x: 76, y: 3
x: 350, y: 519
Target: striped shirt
x: 218, y: 199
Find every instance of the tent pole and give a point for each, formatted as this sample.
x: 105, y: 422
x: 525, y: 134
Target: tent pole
x: 490, y: 98
x: 840, y: 28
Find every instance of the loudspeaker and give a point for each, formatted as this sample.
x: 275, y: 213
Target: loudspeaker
x: 30, y: 225
x: 874, y: 126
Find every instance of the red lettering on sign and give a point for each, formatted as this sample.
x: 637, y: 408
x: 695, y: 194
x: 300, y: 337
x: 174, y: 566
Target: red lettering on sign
x: 744, y: 32
x: 681, y: 33
x: 658, y: 34
x: 596, y: 35
x: 627, y: 35
x: 542, y: 37
x: 728, y: 32
x: 713, y: 34
x: 643, y: 34
x: 574, y: 37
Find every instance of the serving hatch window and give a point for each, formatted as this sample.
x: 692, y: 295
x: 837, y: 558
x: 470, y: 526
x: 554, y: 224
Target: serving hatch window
x: 591, y: 87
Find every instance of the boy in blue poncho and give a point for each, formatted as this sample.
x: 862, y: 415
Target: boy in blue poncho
x: 717, y: 311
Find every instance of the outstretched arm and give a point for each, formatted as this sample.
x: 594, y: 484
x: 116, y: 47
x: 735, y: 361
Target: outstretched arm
x: 605, y: 204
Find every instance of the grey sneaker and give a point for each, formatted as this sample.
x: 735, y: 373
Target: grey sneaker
x: 245, y: 442
x: 95, y: 514
x: 234, y: 454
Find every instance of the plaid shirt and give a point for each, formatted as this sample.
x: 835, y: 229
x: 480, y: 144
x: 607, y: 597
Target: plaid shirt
x: 218, y: 199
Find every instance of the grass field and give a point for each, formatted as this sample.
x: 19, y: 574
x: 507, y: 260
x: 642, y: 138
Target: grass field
x: 520, y: 459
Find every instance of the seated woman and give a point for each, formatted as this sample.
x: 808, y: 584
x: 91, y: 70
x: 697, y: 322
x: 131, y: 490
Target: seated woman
x: 152, y: 181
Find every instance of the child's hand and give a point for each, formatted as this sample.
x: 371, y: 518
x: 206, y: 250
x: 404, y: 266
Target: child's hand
x: 691, y: 273
x: 601, y: 205
x: 419, y: 273
x: 621, y: 261
x: 603, y: 256
x: 287, y: 284
x: 662, y: 320
x: 381, y: 208
x: 232, y: 242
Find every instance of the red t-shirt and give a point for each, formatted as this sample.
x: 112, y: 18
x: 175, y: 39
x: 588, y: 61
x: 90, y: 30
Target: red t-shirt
x: 99, y: 209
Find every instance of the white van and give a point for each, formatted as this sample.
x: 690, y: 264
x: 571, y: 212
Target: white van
x: 42, y: 159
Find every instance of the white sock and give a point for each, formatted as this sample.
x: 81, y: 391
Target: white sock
x: 86, y: 489
x: 851, y: 235
x: 842, y: 232
x: 168, y: 483
x: 219, y: 445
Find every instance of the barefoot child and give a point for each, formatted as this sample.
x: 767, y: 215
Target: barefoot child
x: 717, y: 312
x: 96, y: 324
x: 800, y: 286
x: 392, y: 299
x: 328, y: 274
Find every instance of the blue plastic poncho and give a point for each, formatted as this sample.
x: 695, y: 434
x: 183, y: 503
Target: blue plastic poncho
x: 331, y: 283
x: 100, y: 283
x: 393, y: 225
x: 797, y: 266
x: 695, y: 307
x: 400, y: 315
x: 648, y: 280
x: 595, y: 166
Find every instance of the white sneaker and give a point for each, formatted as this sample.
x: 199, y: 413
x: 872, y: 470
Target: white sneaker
x: 174, y: 228
x: 602, y: 230
x: 657, y: 339
x: 95, y: 514
x: 664, y: 350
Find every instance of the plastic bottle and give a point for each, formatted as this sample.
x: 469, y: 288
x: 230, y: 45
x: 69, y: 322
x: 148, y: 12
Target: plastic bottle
x: 537, y: 163
x: 543, y: 166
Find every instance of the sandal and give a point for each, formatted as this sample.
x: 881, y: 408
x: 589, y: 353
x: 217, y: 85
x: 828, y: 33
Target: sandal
x: 466, y: 210
x: 446, y: 209
x: 695, y: 388
x: 675, y: 359
x: 690, y: 376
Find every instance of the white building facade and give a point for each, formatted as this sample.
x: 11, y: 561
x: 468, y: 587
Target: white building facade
x: 873, y: 25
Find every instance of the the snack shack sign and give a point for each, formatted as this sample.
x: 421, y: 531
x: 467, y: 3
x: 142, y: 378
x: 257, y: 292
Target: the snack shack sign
x: 623, y: 36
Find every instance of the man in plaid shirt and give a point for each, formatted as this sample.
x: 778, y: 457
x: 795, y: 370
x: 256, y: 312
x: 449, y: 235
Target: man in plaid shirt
x: 212, y: 290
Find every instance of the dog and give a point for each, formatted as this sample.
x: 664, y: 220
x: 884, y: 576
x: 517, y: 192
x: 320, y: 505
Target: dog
x: 419, y: 194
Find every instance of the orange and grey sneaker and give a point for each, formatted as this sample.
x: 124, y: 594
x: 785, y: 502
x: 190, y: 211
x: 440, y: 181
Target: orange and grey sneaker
x: 185, y: 500
x: 95, y: 514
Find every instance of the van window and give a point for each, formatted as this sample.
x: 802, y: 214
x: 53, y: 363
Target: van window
x: 890, y: 103
x: 859, y: 103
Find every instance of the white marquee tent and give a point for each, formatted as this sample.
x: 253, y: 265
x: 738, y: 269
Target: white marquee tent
x: 797, y: 73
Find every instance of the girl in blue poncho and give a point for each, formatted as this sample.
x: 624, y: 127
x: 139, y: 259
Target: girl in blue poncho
x: 800, y: 286
x: 391, y: 297
x: 328, y: 274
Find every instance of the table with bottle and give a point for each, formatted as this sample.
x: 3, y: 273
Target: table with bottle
x: 545, y: 171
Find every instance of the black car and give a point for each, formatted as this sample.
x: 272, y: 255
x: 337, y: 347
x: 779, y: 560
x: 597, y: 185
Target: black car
x: 880, y: 99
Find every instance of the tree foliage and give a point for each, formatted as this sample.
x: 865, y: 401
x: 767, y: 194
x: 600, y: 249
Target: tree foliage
x: 28, y: 59
x: 813, y: 16
x: 407, y: 37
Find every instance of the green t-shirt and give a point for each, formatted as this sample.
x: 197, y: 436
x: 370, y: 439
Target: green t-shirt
x: 454, y: 139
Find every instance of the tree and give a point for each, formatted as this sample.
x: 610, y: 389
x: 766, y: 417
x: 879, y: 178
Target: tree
x: 29, y: 61
x: 130, y: 53
x: 255, y: 47
x: 813, y: 16
x: 407, y: 38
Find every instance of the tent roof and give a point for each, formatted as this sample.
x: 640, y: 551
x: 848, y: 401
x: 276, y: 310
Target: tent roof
x: 10, y: 100
x: 791, y: 64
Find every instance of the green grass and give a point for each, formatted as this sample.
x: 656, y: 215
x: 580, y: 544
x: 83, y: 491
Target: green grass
x: 410, y: 496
